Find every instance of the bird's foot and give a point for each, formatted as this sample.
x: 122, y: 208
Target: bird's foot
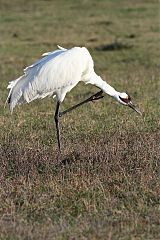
x: 96, y: 98
x: 93, y: 98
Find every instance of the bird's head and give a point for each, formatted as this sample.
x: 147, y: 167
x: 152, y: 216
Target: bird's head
x: 125, y: 99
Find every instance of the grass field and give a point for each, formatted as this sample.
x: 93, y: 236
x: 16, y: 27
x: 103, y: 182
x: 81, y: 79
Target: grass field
x: 106, y: 183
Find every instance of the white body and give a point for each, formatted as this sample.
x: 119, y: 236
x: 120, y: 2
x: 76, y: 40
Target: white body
x: 55, y: 74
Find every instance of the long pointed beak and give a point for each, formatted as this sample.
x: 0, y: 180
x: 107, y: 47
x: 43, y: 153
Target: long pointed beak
x: 131, y: 105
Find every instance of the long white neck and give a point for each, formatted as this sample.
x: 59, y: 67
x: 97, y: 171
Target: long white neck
x: 100, y: 83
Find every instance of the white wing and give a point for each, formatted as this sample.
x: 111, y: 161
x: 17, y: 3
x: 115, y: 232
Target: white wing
x: 56, y: 73
x: 48, y: 53
x: 46, y: 57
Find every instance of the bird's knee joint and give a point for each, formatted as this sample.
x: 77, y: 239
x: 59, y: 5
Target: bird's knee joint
x: 60, y: 114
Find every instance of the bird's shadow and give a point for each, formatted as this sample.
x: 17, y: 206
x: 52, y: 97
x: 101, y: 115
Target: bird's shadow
x: 68, y: 160
x: 114, y: 46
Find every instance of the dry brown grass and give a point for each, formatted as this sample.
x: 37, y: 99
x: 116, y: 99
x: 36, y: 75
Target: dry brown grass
x: 105, y: 185
x: 108, y: 188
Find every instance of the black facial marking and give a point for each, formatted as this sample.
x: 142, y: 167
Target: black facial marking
x: 126, y: 100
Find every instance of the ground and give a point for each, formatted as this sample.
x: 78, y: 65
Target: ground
x: 105, y: 184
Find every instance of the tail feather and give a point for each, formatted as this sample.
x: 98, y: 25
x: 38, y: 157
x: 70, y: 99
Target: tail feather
x: 15, y: 93
x: 31, y: 85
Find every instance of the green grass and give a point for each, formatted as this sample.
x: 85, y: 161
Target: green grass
x: 105, y: 185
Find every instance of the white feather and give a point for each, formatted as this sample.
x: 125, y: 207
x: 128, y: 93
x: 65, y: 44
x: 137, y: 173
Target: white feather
x: 55, y: 74
x: 61, y: 48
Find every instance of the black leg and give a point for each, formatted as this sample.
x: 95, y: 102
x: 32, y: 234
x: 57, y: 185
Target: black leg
x: 96, y: 96
x: 56, y: 118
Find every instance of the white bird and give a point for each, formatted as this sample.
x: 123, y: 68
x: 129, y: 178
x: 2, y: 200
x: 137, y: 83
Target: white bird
x: 55, y: 74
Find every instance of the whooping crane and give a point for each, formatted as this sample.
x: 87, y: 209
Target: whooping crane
x: 55, y: 74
